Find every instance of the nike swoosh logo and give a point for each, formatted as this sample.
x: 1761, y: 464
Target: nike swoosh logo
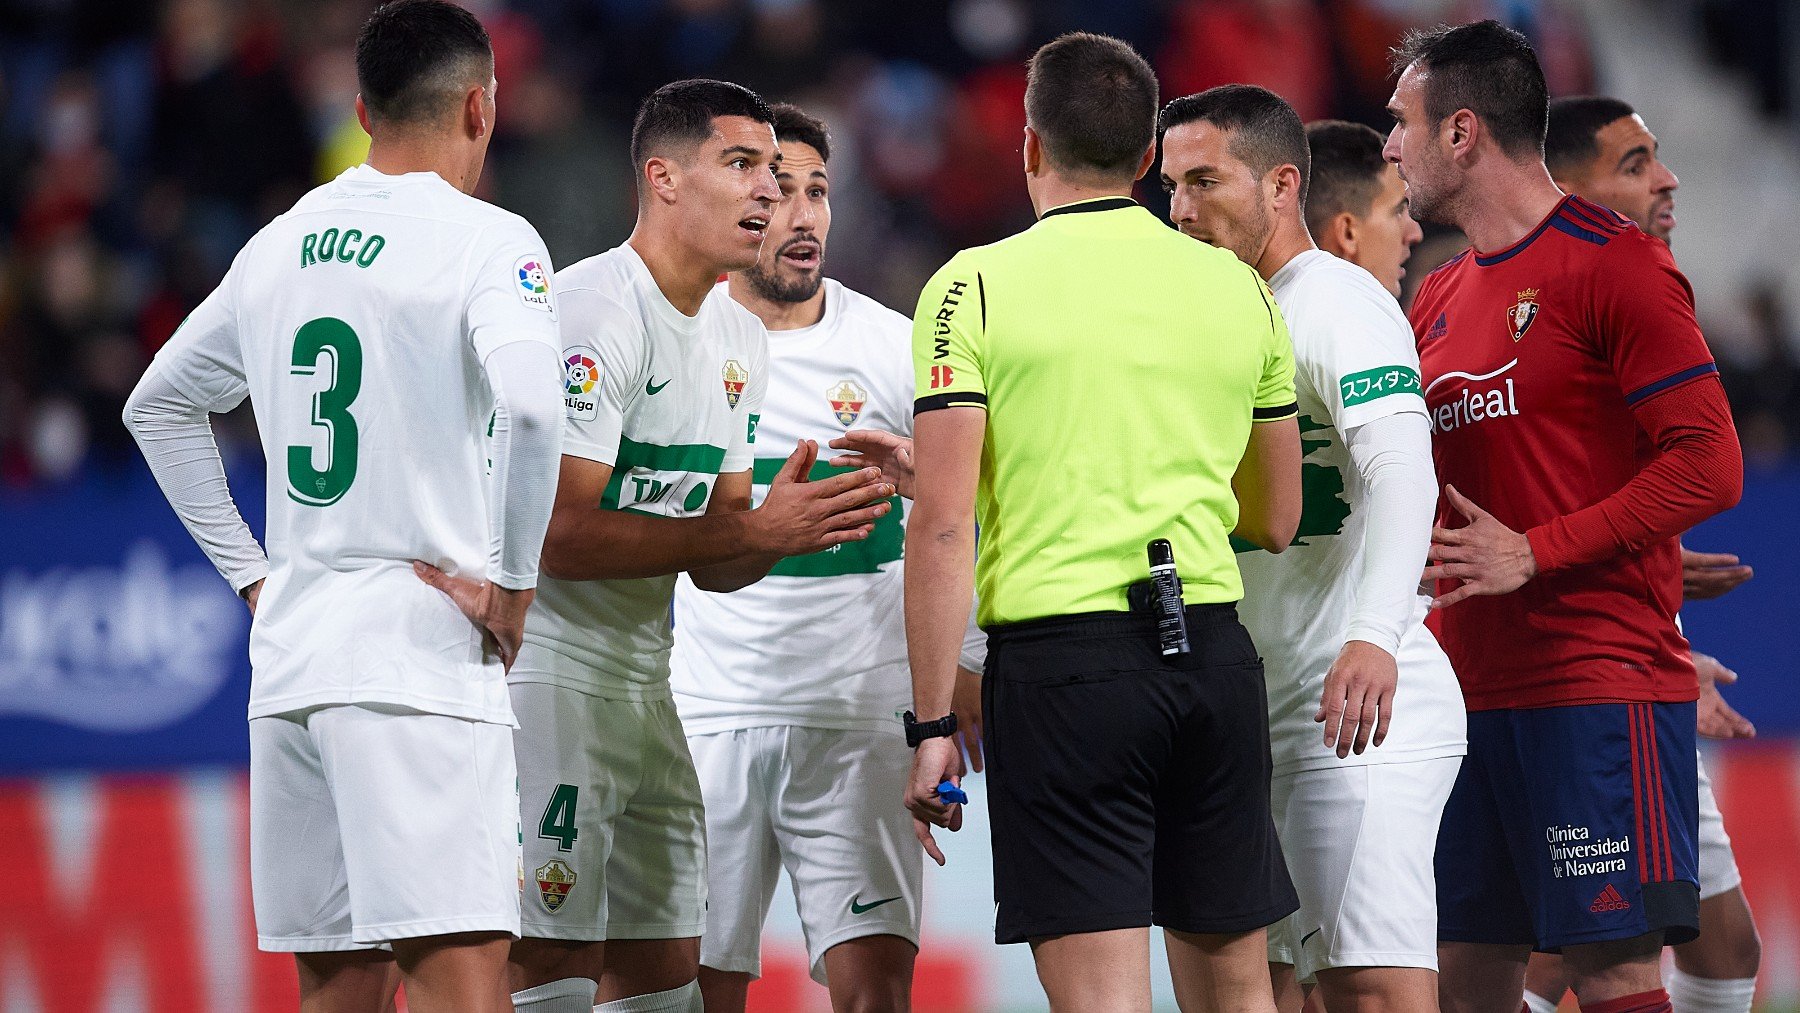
x: 858, y: 909
x: 652, y: 388
x: 1309, y: 935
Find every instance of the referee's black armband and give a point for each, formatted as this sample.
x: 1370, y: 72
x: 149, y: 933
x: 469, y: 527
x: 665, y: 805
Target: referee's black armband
x: 966, y: 399
x: 1274, y: 414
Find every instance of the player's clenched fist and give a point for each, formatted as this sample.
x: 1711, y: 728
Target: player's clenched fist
x: 800, y: 516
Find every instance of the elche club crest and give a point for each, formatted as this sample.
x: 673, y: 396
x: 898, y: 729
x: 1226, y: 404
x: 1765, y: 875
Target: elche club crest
x: 735, y: 379
x: 1523, y: 313
x: 847, y: 400
x: 554, y: 880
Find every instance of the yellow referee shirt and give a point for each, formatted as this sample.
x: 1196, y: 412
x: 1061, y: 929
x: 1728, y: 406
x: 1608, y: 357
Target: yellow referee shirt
x: 1121, y: 365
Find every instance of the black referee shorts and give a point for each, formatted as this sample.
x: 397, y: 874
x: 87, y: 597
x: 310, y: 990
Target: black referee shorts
x: 1127, y: 789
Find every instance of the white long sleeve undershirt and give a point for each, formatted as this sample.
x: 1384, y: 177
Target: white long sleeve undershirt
x: 1393, y: 456
x: 526, y: 455
x: 176, y: 438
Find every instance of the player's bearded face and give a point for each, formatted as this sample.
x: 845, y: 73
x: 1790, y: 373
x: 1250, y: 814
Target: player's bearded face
x: 1213, y: 196
x: 727, y: 192
x: 791, y: 266
x: 1627, y: 176
x: 1416, y: 145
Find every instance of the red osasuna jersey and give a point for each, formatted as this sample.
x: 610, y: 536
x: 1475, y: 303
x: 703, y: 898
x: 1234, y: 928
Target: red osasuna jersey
x: 1533, y: 359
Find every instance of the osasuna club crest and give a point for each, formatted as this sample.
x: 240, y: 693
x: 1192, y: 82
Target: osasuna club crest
x: 735, y: 378
x: 1523, y: 313
x: 847, y: 400
x: 554, y: 880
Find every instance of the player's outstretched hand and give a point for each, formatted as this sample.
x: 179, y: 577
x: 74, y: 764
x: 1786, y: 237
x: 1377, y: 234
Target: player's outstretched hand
x: 499, y: 612
x: 1710, y: 574
x: 1717, y: 719
x: 934, y: 762
x: 873, y: 448
x: 965, y: 700
x: 1486, y: 555
x: 799, y: 516
x: 1358, y: 700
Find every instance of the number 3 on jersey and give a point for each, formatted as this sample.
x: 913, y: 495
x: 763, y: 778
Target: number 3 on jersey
x: 330, y: 410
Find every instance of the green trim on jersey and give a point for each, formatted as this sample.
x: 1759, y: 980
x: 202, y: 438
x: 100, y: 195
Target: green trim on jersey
x: 885, y: 544
x: 693, y: 458
x: 1374, y: 384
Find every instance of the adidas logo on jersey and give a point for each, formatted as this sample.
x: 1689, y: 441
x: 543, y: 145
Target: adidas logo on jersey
x: 1438, y: 328
x: 1609, y: 900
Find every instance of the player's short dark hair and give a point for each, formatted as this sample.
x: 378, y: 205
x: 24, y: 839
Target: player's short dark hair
x: 681, y: 114
x: 793, y: 123
x: 1265, y: 131
x: 415, y: 56
x: 1346, y: 170
x: 1092, y: 101
x: 1486, y: 68
x: 1575, y: 122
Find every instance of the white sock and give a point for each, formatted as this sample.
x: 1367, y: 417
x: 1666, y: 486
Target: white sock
x: 567, y: 995
x: 1538, y: 1004
x: 1689, y: 994
x: 685, y: 999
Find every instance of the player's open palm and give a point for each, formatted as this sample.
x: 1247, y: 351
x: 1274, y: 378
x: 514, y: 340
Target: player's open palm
x: 878, y: 449
x: 1717, y: 719
x: 1707, y: 575
x: 1358, y: 700
x: 499, y: 612
x: 1485, y: 555
x: 800, y: 516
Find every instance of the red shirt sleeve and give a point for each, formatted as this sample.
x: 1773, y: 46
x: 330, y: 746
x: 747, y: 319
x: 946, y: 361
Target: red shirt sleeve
x: 1644, y: 319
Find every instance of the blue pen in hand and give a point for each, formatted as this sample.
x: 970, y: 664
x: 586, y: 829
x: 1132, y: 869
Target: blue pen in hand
x: 949, y: 792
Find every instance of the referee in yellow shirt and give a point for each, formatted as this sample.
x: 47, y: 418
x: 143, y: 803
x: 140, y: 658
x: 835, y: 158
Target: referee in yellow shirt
x: 1085, y: 387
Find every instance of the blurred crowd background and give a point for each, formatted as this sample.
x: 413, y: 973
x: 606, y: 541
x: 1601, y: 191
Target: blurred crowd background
x: 142, y: 143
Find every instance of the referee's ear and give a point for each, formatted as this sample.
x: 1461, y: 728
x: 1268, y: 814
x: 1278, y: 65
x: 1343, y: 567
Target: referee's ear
x: 1146, y: 162
x: 1033, y: 150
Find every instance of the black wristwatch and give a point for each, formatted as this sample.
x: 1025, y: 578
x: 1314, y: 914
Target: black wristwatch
x: 918, y: 731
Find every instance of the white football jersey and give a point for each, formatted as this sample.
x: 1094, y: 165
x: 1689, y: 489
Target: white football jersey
x: 820, y: 641
x: 357, y: 323
x: 1354, y: 363
x: 671, y: 402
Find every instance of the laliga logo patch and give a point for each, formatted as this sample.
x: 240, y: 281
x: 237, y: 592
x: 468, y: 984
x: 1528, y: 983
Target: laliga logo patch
x: 1523, y: 313
x: 847, y: 400
x: 533, y: 282
x: 735, y: 379
x: 554, y: 880
x: 581, y: 373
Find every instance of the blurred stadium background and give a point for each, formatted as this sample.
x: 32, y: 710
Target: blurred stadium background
x: 141, y: 143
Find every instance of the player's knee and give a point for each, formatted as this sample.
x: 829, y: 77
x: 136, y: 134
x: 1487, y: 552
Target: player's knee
x: 1722, y: 954
x: 540, y: 961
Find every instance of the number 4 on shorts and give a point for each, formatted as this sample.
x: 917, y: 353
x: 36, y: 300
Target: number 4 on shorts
x: 558, y: 823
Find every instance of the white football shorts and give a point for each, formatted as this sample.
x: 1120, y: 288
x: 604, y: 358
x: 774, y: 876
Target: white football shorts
x: 1718, y: 866
x: 826, y: 805
x: 371, y: 823
x: 615, y: 837
x: 1359, y: 843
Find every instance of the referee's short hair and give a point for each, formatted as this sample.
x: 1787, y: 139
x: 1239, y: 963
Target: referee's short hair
x: 1575, y: 122
x: 1346, y: 171
x: 1265, y: 131
x: 1092, y: 101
